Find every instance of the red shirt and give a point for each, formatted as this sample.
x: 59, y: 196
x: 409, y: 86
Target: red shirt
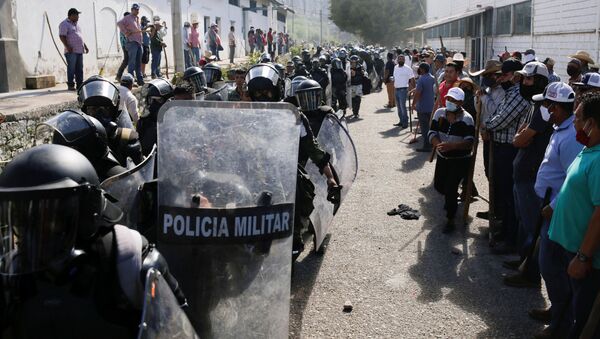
x: 443, y: 92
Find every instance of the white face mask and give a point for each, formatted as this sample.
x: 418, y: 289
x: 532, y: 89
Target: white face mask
x: 545, y: 113
x: 528, y: 58
x: 450, y: 106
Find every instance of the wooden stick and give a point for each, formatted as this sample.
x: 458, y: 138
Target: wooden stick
x: 166, y: 62
x: 471, y: 171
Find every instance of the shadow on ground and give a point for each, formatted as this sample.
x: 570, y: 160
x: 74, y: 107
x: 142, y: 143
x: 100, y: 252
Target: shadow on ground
x: 456, y: 267
x: 305, y: 273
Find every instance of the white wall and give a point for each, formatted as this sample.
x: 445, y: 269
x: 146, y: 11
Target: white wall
x: 98, y: 24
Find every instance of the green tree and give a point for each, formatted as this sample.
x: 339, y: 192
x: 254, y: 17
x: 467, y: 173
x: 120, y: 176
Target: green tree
x: 378, y: 21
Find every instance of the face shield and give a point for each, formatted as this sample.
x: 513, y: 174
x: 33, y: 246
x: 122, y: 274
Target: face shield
x: 337, y: 64
x: 263, y: 71
x: 212, y: 75
x: 309, y: 100
x: 70, y: 126
x: 99, y: 93
x: 38, y: 229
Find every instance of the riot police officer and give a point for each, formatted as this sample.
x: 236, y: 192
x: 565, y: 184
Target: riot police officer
x: 339, y: 80
x: 320, y: 75
x: 69, y: 270
x: 309, y: 96
x: 306, y: 59
x: 194, y: 76
x: 262, y: 86
x: 212, y: 74
x: 154, y: 94
x: 99, y: 98
x: 300, y: 68
x: 85, y: 134
x: 356, y: 87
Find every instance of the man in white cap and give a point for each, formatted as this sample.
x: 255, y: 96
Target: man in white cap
x: 451, y: 134
x: 557, y: 108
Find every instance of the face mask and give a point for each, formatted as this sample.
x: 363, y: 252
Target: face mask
x: 571, y: 71
x: 450, y: 106
x: 545, y: 113
x: 488, y: 82
x: 506, y: 85
x: 582, y: 136
x: 527, y: 92
x: 528, y: 57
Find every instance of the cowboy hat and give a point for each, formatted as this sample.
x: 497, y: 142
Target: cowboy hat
x: 491, y: 66
x: 583, y: 56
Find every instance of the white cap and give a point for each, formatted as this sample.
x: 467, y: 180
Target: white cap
x: 458, y: 57
x: 456, y: 94
x: 533, y: 68
x: 557, y: 92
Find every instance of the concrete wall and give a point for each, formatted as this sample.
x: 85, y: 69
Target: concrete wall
x: 560, y: 28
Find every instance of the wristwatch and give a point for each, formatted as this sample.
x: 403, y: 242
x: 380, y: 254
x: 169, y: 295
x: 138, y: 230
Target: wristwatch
x: 582, y: 257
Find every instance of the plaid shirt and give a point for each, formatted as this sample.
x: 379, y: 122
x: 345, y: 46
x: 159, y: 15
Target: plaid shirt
x: 505, y: 121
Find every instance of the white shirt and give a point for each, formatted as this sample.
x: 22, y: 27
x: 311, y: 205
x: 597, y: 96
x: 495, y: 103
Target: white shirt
x: 129, y: 101
x: 402, y: 75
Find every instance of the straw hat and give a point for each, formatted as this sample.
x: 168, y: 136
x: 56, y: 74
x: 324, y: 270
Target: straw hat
x: 583, y: 56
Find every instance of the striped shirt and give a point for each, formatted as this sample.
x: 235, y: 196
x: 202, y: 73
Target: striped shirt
x: 505, y: 121
x: 462, y: 129
x: 131, y: 28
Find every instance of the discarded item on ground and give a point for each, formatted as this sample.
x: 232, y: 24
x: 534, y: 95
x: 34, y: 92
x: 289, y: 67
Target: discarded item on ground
x: 405, y: 212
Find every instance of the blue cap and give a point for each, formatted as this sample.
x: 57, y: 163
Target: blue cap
x: 135, y: 6
x: 440, y: 57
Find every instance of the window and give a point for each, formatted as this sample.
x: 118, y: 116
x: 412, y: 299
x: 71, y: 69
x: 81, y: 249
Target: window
x: 281, y: 17
x: 265, y: 11
x: 461, y: 27
x: 503, y: 20
x: 487, y: 21
x: 522, y: 18
x: 234, y: 2
x: 253, y: 5
x: 454, y: 29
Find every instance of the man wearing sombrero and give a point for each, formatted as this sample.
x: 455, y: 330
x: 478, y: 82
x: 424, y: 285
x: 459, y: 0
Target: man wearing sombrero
x: 585, y: 59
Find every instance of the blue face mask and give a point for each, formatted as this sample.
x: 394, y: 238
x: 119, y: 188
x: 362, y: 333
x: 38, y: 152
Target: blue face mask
x: 450, y: 106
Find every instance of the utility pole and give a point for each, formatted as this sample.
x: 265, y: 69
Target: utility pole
x: 177, y: 26
x: 321, y: 34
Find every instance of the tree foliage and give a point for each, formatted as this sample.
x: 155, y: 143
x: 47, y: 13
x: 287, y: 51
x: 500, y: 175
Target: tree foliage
x: 378, y: 21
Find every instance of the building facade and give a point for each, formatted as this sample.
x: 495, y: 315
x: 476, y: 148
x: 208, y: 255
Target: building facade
x: 29, y: 31
x: 486, y: 28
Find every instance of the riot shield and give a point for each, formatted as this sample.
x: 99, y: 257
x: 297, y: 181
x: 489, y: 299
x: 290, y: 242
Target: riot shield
x: 335, y: 140
x: 220, y: 94
x: 126, y: 188
x: 162, y: 317
x: 226, y: 192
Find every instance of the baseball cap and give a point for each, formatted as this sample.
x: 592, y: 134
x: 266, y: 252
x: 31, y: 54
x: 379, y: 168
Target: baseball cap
x: 440, y: 57
x: 557, y: 92
x: 533, y: 68
x: 73, y: 11
x: 590, y: 79
x: 511, y: 65
x: 529, y: 51
x: 456, y: 94
x: 135, y: 6
x: 126, y: 79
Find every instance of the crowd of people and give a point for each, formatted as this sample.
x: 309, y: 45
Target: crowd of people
x: 541, y: 140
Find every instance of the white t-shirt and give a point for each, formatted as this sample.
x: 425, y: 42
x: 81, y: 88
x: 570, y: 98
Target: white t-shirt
x: 402, y: 75
x: 129, y: 102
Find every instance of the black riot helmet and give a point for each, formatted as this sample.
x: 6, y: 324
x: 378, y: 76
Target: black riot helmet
x: 323, y: 60
x: 195, y: 77
x: 212, y: 73
x: 294, y: 85
x: 77, y: 130
x: 336, y: 63
x: 308, y: 94
x: 265, y: 58
x: 99, y: 97
x: 343, y: 54
x: 296, y: 60
x: 305, y: 56
x: 50, y: 204
x: 281, y: 69
x: 154, y: 94
x: 263, y: 83
x: 315, y: 63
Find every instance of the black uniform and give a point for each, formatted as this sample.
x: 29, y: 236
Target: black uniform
x: 339, y: 79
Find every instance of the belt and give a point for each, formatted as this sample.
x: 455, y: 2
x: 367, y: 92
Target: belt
x: 401, y: 87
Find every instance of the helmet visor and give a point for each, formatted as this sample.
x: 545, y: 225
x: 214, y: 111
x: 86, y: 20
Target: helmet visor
x: 309, y: 100
x: 70, y: 125
x: 198, y: 81
x: 263, y: 71
x: 212, y: 75
x: 99, y: 93
x: 36, y: 232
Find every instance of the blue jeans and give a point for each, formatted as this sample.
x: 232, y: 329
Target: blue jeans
x: 585, y: 292
x: 401, y: 94
x: 553, y: 267
x: 74, y: 68
x: 187, y: 57
x: 214, y: 50
x: 196, y: 52
x: 156, y: 57
x: 135, y: 61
